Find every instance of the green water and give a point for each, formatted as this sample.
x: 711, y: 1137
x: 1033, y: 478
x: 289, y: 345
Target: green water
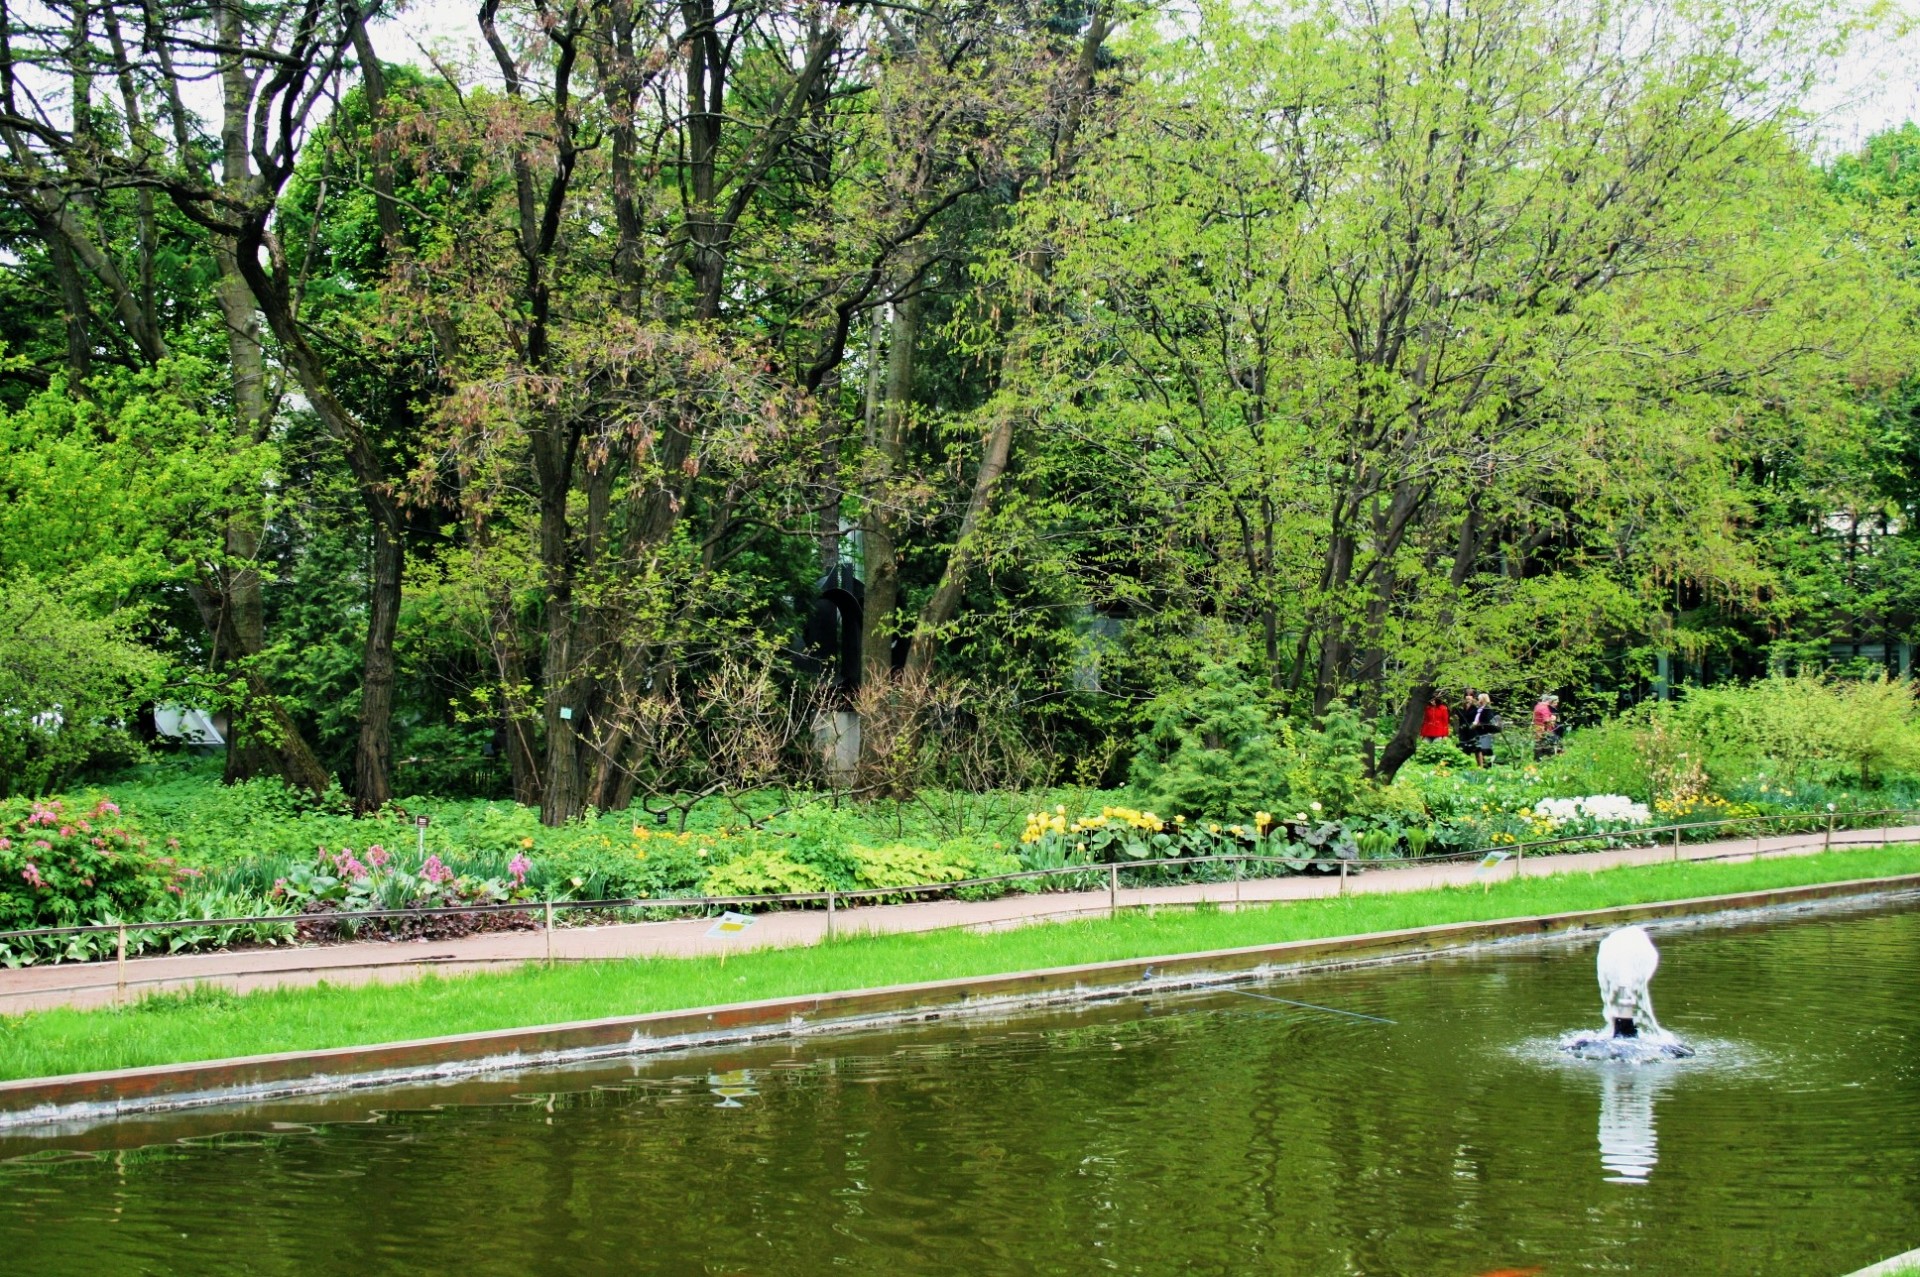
x: 1196, y: 1135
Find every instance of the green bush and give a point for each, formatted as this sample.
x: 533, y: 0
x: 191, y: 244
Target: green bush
x: 1331, y: 768
x: 1607, y: 758
x: 65, y: 867
x: 1439, y: 751
x: 763, y: 872
x: 1214, y: 750
x: 68, y: 683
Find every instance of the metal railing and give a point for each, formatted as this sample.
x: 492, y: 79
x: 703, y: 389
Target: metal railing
x: 1093, y: 876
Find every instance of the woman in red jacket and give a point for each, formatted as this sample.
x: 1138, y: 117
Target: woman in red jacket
x: 1437, y: 725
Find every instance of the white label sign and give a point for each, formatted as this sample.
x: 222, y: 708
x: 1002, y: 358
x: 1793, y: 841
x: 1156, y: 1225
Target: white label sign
x: 729, y: 924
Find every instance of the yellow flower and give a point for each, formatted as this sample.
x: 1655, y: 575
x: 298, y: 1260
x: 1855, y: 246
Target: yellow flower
x: 1261, y: 819
x: 641, y: 854
x: 526, y: 842
x: 1213, y: 829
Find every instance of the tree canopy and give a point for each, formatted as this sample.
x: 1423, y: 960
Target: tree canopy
x: 535, y: 421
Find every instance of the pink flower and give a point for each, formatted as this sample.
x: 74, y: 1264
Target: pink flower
x: 32, y: 874
x: 106, y: 807
x: 6, y: 844
x: 43, y: 844
x: 66, y: 831
x: 377, y: 855
x: 518, y: 868
x: 279, y: 887
x: 436, y: 872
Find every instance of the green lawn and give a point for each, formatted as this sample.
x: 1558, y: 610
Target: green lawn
x: 209, y: 1024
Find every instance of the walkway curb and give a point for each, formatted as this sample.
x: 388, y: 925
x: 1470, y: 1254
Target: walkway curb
x: 92, y: 1097
x: 1895, y: 1267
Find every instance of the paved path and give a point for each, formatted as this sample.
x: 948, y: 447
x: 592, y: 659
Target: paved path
x: 94, y: 984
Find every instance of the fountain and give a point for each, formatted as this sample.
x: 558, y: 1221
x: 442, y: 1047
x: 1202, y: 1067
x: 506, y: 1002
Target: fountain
x: 1626, y: 964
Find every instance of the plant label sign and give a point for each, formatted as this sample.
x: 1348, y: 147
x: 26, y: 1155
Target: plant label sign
x: 729, y: 924
x: 1493, y: 858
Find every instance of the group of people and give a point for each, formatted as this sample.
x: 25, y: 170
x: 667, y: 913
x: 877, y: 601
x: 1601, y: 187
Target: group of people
x: 1480, y: 724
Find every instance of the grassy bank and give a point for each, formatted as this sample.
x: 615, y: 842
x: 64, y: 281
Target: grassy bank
x: 211, y: 1024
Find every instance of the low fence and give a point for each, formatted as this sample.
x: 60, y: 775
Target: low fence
x: 1086, y: 877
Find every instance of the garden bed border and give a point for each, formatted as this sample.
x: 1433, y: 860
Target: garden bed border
x: 92, y: 1097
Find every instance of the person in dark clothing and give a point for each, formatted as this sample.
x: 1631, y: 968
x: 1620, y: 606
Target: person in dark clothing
x: 1482, y: 723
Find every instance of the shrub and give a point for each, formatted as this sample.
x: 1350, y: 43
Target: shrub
x: 61, y: 867
x: 1214, y: 750
x: 67, y: 684
x: 67, y: 867
x: 1331, y: 768
x: 1440, y: 751
x: 1607, y: 758
x: 763, y: 872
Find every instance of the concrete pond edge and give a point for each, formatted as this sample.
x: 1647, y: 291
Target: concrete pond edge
x: 90, y: 1098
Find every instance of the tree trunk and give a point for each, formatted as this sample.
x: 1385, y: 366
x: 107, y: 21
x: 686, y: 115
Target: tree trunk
x: 880, y: 521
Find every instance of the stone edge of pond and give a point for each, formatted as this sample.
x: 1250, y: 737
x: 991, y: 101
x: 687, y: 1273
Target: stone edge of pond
x: 1895, y: 1267
x: 89, y: 1098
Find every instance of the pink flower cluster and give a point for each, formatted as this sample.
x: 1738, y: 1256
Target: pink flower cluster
x: 349, y: 866
x: 436, y: 872
x: 518, y: 867
x: 377, y: 855
x: 45, y: 813
x: 32, y: 874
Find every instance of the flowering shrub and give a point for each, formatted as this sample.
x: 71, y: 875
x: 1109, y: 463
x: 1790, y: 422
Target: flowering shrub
x: 62, y: 866
x: 342, y: 882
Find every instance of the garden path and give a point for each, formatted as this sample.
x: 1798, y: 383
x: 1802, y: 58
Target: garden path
x: 95, y: 984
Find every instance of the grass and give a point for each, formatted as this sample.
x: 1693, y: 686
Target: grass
x: 208, y: 1023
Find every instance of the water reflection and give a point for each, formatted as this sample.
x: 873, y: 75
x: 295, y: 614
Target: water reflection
x: 1629, y: 1145
x: 731, y: 1086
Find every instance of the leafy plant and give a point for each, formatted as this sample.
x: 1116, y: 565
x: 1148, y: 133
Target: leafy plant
x: 1214, y: 750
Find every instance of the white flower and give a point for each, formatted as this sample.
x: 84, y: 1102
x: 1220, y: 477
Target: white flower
x: 1313, y: 806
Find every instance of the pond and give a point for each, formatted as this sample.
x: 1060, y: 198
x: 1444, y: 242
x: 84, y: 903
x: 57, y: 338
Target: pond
x: 1219, y: 1133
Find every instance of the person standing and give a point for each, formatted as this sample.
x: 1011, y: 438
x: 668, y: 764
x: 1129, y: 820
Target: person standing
x: 1437, y: 723
x: 1546, y: 726
x: 1481, y: 728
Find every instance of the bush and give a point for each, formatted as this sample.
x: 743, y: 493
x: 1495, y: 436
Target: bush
x: 1607, y: 758
x: 1440, y: 751
x: 763, y: 872
x: 1331, y: 768
x: 68, y: 683
x: 1215, y: 750
x: 62, y: 867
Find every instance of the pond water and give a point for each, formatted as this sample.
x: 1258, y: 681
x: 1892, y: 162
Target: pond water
x: 1221, y: 1133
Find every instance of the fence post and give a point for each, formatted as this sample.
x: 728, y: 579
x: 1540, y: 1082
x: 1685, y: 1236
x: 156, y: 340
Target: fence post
x: 1885, y: 821
x: 1828, y: 844
x: 1343, y: 878
x: 1113, y: 890
x: 1519, y: 860
x: 1676, y: 842
x: 120, y: 967
x: 830, y: 903
x: 1239, y: 870
x: 549, y: 931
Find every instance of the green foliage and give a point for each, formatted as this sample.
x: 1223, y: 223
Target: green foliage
x: 63, y: 865
x: 68, y: 684
x: 1606, y: 758
x: 1441, y: 751
x: 1804, y: 728
x: 763, y: 872
x: 1214, y: 750
x: 1332, y: 765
